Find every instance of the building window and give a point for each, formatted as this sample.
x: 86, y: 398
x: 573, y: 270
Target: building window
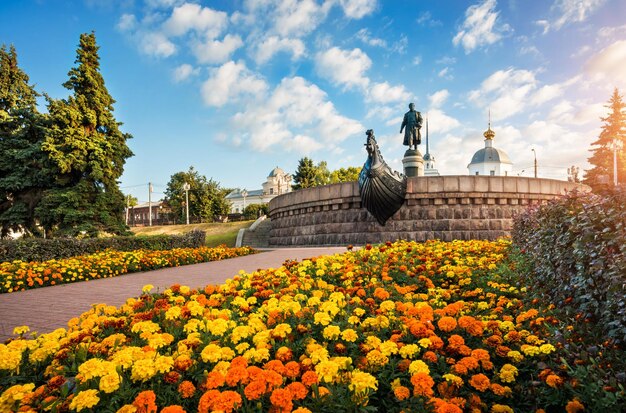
x: 492, y: 173
x: 506, y: 173
x: 476, y: 172
x: 271, y: 191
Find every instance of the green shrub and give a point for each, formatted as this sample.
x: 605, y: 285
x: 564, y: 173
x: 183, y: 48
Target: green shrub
x: 37, y: 249
x: 577, y: 247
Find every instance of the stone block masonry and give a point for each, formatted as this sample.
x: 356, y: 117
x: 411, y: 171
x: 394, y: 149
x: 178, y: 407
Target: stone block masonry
x: 435, y: 207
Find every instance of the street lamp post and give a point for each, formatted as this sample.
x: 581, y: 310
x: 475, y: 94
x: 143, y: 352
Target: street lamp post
x: 617, y: 146
x: 186, y: 188
x: 244, y: 193
x: 535, y: 153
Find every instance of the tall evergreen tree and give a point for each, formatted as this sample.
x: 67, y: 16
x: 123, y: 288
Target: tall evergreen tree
x: 614, y: 127
x: 89, y: 151
x: 24, y: 170
x: 305, y: 174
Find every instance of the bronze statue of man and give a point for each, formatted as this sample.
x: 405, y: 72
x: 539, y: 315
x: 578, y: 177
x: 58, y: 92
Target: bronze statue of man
x: 413, y: 122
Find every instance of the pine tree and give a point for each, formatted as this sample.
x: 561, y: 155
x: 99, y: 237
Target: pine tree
x: 89, y: 151
x: 602, y: 153
x: 305, y: 174
x: 24, y: 170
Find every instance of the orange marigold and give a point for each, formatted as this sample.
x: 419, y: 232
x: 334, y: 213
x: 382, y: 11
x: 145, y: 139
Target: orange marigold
x: 255, y: 389
x: 298, y: 390
x: 282, y: 398
x: 275, y: 365
x: 554, y: 381
x: 455, y: 341
x: 503, y: 391
x: 186, y: 389
x: 446, y: 324
x: 309, y: 378
x: 272, y: 378
x: 480, y: 382
x: 284, y: 354
x: 173, y: 409
x: 430, y: 356
x: 292, y: 369
x: 381, y: 293
x: 145, y: 402
x: 401, y: 393
x: 422, y: 384
x: 214, y: 380
x: 227, y: 401
x: 207, y: 401
x: 442, y: 406
x: 235, y: 375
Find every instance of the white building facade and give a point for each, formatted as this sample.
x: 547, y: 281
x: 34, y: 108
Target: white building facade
x: 278, y: 182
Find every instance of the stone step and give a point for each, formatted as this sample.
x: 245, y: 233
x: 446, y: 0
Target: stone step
x: 259, y: 238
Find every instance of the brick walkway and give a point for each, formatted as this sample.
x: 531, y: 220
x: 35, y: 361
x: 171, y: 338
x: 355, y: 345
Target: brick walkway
x: 45, y: 309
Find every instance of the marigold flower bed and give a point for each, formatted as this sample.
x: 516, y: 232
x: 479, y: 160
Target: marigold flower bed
x: 399, y: 327
x: 20, y: 275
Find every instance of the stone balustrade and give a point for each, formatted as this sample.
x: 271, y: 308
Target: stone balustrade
x: 436, y: 207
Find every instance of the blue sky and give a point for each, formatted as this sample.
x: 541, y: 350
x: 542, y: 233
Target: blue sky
x: 237, y: 87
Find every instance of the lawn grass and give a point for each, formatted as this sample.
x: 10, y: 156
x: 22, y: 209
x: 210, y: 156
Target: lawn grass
x: 217, y: 233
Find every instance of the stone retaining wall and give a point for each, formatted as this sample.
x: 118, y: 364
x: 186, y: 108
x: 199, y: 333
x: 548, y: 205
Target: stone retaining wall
x: 436, y: 207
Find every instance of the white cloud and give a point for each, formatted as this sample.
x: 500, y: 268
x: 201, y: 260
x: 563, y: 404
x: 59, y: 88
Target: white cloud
x: 438, y: 98
x: 156, y: 44
x: 365, y: 36
x: 481, y: 27
x: 445, y: 73
x: 229, y: 83
x: 203, y: 20
x: 296, y: 115
x: 417, y: 60
x: 608, y: 65
x: 356, y: 9
x: 217, y: 51
x: 439, y: 122
x: 344, y: 67
x: 273, y: 44
x: 573, y: 11
x: 294, y: 18
x: 184, y: 72
x: 127, y: 22
x: 385, y: 93
x: 426, y: 19
x: 161, y: 4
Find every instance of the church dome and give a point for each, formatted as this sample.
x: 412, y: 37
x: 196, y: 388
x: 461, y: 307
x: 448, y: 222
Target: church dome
x: 276, y: 172
x: 490, y: 154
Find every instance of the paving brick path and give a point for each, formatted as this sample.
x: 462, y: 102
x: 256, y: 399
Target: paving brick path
x: 45, y: 309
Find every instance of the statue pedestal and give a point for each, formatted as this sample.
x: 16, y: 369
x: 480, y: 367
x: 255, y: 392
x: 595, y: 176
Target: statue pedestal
x: 413, y: 163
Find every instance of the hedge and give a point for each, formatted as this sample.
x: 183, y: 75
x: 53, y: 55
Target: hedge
x: 576, y: 246
x: 38, y: 249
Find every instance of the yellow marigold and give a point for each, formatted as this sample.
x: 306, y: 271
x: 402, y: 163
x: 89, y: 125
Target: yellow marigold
x: 163, y: 364
x: 516, y: 356
x: 530, y: 350
x: 327, y: 370
x: 331, y: 332
x: 84, y: 400
x: 451, y: 378
x: 349, y: 335
x: 110, y: 382
x: 574, y: 406
x: 546, y: 348
x: 508, y: 373
x: 418, y: 366
x: 281, y: 330
x: 143, y: 370
x: 322, y: 318
x: 18, y: 331
x: 173, y: 313
x: 361, y: 382
x: 388, y: 348
x: 302, y: 410
x: 376, y: 359
x: 501, y: 408
x: 10, y: 359
x: 211, y: 353
x: 127, y: 408
x: 14, y: 394
x: 425, y: 342
x: 147, y: 288
x: 409, y: 351
x: 387, y: 306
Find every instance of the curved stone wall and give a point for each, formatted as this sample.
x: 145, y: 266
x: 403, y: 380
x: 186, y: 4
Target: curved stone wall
x: 435, y: 207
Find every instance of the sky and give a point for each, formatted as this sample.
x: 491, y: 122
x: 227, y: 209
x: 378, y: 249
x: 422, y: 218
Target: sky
x: 235, y: 88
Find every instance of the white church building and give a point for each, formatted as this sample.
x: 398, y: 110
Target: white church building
x: 490, y: 160
x: 278, y: 182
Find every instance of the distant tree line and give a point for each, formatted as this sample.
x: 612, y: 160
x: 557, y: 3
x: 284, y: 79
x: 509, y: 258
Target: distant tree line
x: 308, y: 174
x: 59, y: 170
